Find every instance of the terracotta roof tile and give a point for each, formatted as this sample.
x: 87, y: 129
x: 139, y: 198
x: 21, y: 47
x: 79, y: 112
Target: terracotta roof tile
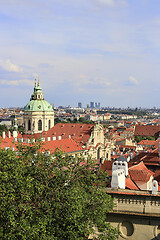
x: 65, y: 130
x: 146, y: 130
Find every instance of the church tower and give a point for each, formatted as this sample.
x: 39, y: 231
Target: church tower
x: 38, y: 113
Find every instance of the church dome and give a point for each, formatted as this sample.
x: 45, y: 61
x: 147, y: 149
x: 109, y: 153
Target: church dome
x: 37, y: 102
x: 38, y: 106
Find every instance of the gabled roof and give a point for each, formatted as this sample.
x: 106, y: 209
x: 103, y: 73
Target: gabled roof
x: 140, y: 173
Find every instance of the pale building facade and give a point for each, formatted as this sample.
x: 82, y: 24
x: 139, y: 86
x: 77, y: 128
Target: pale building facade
x: 136, y: 214
x: 38, y: 113
x: 97, y: 145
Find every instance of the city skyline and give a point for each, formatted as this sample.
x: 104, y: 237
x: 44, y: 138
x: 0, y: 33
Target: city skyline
x: 105, y: 50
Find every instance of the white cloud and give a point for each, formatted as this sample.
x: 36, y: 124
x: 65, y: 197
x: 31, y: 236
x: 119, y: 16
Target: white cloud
x: 112, y: 3
x: 9, y: 66
x: 107, y: 2
x: 82, y: 82
x: 133, y: 80
x: 17, y: 82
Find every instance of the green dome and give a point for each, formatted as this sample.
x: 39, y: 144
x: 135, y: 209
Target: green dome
x: 38, y: 106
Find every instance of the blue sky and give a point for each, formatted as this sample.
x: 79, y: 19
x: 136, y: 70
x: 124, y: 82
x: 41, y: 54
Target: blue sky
x: 104, y: 51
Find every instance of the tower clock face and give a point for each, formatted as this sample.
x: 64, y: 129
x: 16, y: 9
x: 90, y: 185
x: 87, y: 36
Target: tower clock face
x: 39, y: 106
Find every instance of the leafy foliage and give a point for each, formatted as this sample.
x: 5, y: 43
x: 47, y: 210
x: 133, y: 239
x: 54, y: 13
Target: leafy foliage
x: 140, y: 138
x: 81, y: 120
x: 46, y: 197
x: 3, y: 128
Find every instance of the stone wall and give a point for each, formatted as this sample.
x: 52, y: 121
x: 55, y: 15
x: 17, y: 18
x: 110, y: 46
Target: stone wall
x: 136, y: 214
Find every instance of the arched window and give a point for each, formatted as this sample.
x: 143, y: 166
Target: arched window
x: 39, y: 125
x: 98, y: 153
x: 29, y: 125
x: 49, y: 124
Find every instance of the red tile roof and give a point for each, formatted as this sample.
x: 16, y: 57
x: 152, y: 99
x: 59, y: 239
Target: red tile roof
x: 147, y: 142
x: 65, y: 145
x: 140, y: 173
x: 77, y: 130
x: 130, y: 184
x: 149, y: 158
x: 146, y: 130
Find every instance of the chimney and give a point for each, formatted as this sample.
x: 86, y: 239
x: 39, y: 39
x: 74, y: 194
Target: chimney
x: 122, y: 165
x: 118, y: 179
x: 154, y: 187
x: 59, y: 137
x: 3, y: 135
x: 15, y: 135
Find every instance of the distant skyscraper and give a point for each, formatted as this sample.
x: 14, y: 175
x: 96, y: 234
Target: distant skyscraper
x: 79, y: 105
x: 91, y: 104
x: 99, y: 105
x: 87, y: 105
x: 96, y: 106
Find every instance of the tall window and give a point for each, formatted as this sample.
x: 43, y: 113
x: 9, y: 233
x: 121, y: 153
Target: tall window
x: 49, y: 124
x: 39, y: 125
x: 98, y: 153
x: 29, y: 125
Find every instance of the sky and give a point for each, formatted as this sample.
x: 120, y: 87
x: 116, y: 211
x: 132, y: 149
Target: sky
x: 105, y: 51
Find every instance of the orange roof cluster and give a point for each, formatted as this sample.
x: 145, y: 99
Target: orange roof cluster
x: 150, y: 159
x: 65, y: 145
x: 147, y: 142
x: 76, y: 131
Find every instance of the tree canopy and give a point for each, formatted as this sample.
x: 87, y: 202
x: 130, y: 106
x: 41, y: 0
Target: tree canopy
x: 3, y: 128
x: 51, y: 197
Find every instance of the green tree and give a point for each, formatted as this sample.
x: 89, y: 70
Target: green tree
x: 140, y: 138
x: 46, y: 197
x: 3, y: 128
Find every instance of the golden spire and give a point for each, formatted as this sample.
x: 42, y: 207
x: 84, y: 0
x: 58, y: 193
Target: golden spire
x: 35, y: 82
x: 38, y: 80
